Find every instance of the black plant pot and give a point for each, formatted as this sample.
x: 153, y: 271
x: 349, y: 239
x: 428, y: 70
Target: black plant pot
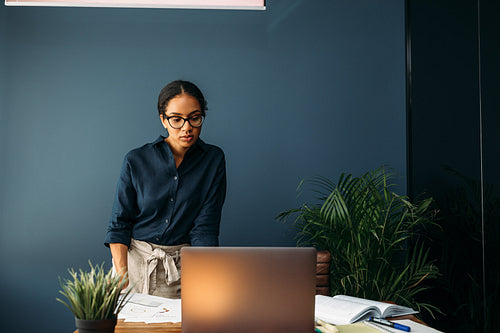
x: 95, y: 326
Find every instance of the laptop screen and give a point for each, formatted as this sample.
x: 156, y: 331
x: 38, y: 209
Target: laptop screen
x: 247, y: 289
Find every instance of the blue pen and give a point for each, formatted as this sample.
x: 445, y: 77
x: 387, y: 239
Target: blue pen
x: 389, y: 323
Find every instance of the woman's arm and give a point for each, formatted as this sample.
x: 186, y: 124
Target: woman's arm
x: 119, y: 252
x: 124, y: 209
x: 205, y: 231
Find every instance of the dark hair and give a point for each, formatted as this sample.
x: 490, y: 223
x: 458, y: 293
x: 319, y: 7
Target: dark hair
x: 176, y: 88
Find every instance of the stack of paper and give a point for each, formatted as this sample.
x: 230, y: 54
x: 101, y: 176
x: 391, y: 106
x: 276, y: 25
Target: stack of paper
x: 151, y: 309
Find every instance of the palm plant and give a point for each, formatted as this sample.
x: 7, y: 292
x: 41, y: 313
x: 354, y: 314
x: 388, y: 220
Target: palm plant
x: 94, y: 295
x: 371, y: 233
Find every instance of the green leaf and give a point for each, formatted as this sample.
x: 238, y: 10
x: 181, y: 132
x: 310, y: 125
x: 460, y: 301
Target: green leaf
x: 94, y: 294
x: 370, y: 232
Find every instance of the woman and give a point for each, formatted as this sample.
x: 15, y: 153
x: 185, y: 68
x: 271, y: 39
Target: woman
x: 169, y: 195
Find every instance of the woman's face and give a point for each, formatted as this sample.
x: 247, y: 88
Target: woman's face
x: 184, y: 106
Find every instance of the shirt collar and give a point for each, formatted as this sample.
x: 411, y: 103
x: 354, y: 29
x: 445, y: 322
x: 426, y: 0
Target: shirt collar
x: 198, y: 144
x: 159, y: 139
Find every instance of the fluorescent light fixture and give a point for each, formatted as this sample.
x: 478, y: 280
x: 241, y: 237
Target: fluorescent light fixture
x: 193, y: 4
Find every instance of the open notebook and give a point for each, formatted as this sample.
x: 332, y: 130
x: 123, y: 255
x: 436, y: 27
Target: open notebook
x: 248, y: 289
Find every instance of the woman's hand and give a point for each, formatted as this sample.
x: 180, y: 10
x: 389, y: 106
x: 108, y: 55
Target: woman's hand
x: 119, y: 252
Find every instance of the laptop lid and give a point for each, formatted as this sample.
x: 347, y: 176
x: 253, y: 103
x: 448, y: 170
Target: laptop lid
x: 247, y: 289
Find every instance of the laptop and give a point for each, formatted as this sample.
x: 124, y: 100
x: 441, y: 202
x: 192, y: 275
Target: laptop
x: 248, y: 289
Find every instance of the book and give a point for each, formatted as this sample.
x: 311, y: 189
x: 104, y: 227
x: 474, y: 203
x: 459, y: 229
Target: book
x: 361, y: 327
x: 342, y: 309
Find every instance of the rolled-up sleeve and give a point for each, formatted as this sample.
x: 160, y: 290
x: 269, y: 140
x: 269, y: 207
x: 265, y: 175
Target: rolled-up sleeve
x: 124, y: 208
x: 205, y: 231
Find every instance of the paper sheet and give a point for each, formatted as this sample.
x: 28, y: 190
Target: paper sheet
x: 151, y: 309
x: 415, y: 327
x: 368, y: 327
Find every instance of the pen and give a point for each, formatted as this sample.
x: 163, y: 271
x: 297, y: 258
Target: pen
x: 389, y: 323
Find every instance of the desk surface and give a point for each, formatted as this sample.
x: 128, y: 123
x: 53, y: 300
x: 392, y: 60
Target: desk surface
x: 123, y: 327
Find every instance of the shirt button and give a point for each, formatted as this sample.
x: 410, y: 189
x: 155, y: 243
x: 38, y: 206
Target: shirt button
x: 157, y: 239
x: 175, y: 178
x: 166, y: 221
x: 171, y: 199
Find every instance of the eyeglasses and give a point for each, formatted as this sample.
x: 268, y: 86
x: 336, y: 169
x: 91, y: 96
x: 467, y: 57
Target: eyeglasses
x: 178, y: 122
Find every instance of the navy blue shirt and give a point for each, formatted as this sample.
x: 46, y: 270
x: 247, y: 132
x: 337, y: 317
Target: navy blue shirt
x: 159, y: 203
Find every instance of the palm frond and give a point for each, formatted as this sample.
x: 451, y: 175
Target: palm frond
x: 369, y: 231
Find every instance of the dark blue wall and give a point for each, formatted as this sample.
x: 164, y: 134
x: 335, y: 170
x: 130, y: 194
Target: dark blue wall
x: 304, y: 88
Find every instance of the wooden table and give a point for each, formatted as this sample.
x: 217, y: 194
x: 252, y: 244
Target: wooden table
x: 123, y: 327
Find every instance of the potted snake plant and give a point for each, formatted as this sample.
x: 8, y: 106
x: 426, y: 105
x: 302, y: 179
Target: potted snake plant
x: 94, y: 297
